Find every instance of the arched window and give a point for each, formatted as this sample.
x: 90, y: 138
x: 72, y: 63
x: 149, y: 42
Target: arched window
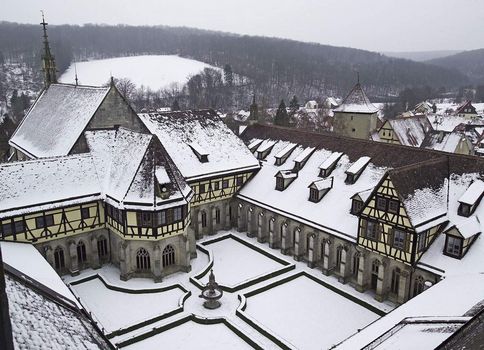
x: 308, y: 241
x: 418, y: 286
x: 356, y: 264
x: 102, y: 247
x: 59, y: 262
x: 143, y: 260
x: 81, y: 252
x: 259, y: 219
x: 281, y: 231
x: 339, y: 253
x: 217, y: 215
x: 204, y: 219
x: 168, y: 256
x: 271, y: 225
x: 395, y: 280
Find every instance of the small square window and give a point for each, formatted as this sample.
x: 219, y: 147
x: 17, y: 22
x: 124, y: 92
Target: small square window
x: 454, y: 246
x: 19, y: 226
x: 7, y: 229
x: 399, y: 239
x: 240, y: 180
x: 353, y: 129
x: 372, y: 230
x: 279, y: 183
x: 85, y: 213
x: 160, y: 218
x: 393, y: 206
x: 201, y: 188
x: 381, y: 203
x: 313, y: 195
x: 216, y: 185
x: 225, y: 184
x: 44, y: 221
x: 177, y: 214
x: 356, y: 206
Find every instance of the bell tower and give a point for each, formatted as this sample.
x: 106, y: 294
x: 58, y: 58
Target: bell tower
x: 48, y: 60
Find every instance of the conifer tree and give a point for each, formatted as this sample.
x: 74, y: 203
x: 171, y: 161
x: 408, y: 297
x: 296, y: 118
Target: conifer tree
x: 294, y: 104
x: 281, y: 118
x: 175, y: 106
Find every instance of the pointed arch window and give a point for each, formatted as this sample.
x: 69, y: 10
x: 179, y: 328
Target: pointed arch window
x: 81, y: 252
x: 356, y: 264
x: 59, y: 261
x: 418, y: 286
x: 204, y: 219
x: 102, y: 247
x: 168, y: 255
x: 395, y: 285
x: 143, y: 261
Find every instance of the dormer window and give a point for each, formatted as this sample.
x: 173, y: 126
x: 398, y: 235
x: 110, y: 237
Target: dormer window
x: 284, y: 178
x: 355, y: 170
x: 358, y: 200
x: 471, y: 198
x: 264, y: 149
x: 356, y: 206
x: 329, y: 164
x: 319, y: 188
x: 254, y: 144
x: 302, y: 158
x: 282, y: 155
x: 200, y: 152
x: 453, y: 246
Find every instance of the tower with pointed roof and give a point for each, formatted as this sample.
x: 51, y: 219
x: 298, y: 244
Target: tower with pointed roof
x: 356, y: 116
x: 254, y: 110
x: 48, y: 60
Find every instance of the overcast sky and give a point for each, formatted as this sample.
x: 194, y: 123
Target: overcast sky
x: 377, y: 25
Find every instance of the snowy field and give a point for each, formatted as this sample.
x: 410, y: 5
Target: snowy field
x: 307, y: 314
x: 115, y: 310
x: 151, y: 71
x: 234, y: 263
x: 191, y: 335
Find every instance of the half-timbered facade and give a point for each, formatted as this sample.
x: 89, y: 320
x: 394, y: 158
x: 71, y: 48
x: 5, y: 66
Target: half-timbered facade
x: 377, y: 232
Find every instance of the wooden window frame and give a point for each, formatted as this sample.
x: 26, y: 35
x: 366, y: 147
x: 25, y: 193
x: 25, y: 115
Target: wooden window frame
x: 385, y: 201
x: 279, y: 183
x: 314, y: 195
x: 397, y: 241
x: 225, y: 184
x: 83, y: 213
x: 397, y: 206
x: 239, y: 181
x: 356, y: 203
x: 456, y: 253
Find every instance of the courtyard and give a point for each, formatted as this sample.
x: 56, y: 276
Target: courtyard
x: 270, y: 301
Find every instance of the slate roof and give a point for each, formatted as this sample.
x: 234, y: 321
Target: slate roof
x: 444, y: 141
x: 410, y: 131
x: 356, y: 102
x: 465, y: 105
x: 55, y: 121
x: 177, y: 130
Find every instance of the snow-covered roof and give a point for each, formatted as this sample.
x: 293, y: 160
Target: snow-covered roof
x: 470, y: 227
x: 50, y: 182
x: 254, y: 144
x: 265, y: 145
x: 450, y: 122
x: 199, y: 149
x: 176, y: 130
x: 303, y: 156
x: 287, y: 174
x: 161, y: 175
x: 56, y: 119
x: 358, y: 166
x: 473, y: 193
x: 323, y: 184
x: 356, y: 102
x: 26, y: 259
x: 39, y: 320
x: 364, y: 195
x: 410, y: 131
x: 443, y: 141
x: 329, y: 162
x: 285, y: 151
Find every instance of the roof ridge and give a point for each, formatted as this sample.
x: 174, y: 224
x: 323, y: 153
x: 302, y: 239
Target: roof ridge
x: 418, y: 164
x: 48, y: 159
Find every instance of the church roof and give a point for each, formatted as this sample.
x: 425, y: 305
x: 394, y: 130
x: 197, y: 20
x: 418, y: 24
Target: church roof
x: 55, y: 121
x: 178, y: 131
x: 356, y: 102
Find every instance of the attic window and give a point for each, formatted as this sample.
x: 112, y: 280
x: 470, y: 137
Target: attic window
x: 471, y: 198
x: 355, y: 170
x: 319, y: 188
x: 329, y: 164
x: 284, y: 178
x: 283, y: 154
x: 200, y: 152
x: 302, y: 158
x: 356, y: 206
x: 453, y: 246
x: 254, y: 144
x: 264, y: 149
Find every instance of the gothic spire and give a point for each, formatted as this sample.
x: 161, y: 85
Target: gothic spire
x: 48, y: 60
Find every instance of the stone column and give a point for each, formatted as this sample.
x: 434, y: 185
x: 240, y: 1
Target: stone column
x: 361, y: 282
x: 185, y: 258
x: 261, y: 234
x: 272, y: 225
x: 285, y: 244
x: 213, y: 220
x: 250, y: 222
x: 199, y: 231
x: 228, y: 224
x: 326, y: 256
x: 124, y: 261
x: 192, y: 243
x: 74, y: 268
x: 403, y: 287
x: 240, y: 221
x: 380, y: 290
x: 311, y: 251
x: 344, y: 265
x: 157, y: 266
x: 297, y: 244
x: 95, y: 263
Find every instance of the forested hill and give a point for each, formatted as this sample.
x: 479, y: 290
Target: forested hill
x: 279, y: 68
x: 470, y: 63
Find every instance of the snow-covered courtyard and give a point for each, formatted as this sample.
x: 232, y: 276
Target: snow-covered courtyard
x: 286, y: 302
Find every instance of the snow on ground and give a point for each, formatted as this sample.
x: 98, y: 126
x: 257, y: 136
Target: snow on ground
x: 191, y: 335
x: 151, y: 71
x: 307, y: 314
x: 235, y: 263
x: 116, y: 310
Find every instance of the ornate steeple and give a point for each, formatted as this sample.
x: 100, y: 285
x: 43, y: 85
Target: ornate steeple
x: 48, y: 60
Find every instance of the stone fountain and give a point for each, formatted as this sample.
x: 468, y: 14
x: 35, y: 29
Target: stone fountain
x: 211, y: 293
